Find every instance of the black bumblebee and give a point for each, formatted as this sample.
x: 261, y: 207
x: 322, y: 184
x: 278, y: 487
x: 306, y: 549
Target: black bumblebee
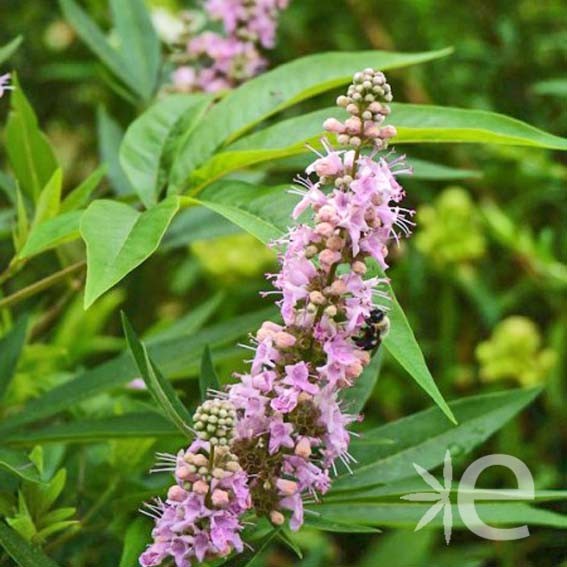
x: 376, y: 329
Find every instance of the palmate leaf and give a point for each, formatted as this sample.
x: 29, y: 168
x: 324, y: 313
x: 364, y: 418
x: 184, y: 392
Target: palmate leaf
x: 265, y: 213
x: 274, y: 91
x: 119, y: 238
x: 423, y: 438
x: 22, y: 552
x: 159, y: 387
x: 179, y: 356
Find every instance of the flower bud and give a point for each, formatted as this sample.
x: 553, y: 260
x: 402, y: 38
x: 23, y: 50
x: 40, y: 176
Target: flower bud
x: 176, y: 493
x: 324, y: 229
x: 317, y: 298
x: 287, y: 487
x: 359, y: 268
x: 277, y: 518
x: 200, y: 487
x: 333, y: 125
x: 284, y: 340
x: 303, y: 448
x: 219, y: 498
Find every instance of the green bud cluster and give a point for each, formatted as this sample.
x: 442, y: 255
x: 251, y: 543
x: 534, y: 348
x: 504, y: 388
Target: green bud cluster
x: 214, y: 421
x: 514, y: 352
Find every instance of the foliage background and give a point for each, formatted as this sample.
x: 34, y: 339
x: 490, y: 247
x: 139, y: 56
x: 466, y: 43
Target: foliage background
x: 482, y: 254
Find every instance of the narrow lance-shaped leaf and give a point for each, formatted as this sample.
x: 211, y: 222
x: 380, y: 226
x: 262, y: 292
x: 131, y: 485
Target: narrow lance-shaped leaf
x: 415, y: 123
x: 138, y: 42
x: 119, y: 238
x: 79, y: 197
x: 135, y: 541
x: 11, y: 346
x: 142, y: 149
x: 178, y: 356
x: 19, y: 464
x: 52, y: 233
x: 275, y: 90
x: 91, y: 34
x: 29, y: 152
x: 6, y: 51
x: 23, y: 553
x: 424, y: 437
x: 110, y: 137
x: 208, y: 378
x: 160, y: 388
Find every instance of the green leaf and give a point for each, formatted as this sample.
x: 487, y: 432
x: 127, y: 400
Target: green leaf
x: 22, y: 552
x: 276, y: 90
x: 423, y: 438
x: 551, y: 87
x: 52, y: 233
x: 29, y: 152
x: 79, y: 197
x: 408, y: 515
x: 208, y: 377
x: 96, y: 40
x: 19, y: 464
x: 178, y: 356
x: 47, y: 205
x: 410, y: 549
x: 161, y: 389
x: 251, y: 557
x: 264, y: 212
x: 118, y: 239
x: 288, y: 540
x: 22, y: 227
x: 139, y: 43
x: 355, y: 398
x: 127, y: 426
x: 402, y: 345
x: 110, y: 137
x: 438, y: 172
x: 142, y: 149
x: 11, y: 346
x: 424, y: 123
x: 135, y: 541
x: 314, y: 519
x: 6, y: 51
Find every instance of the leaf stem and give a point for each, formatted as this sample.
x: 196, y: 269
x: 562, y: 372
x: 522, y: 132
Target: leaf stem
x: 41, y: 285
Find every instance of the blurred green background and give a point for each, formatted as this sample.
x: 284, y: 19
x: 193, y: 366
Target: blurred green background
x: 483, y: 280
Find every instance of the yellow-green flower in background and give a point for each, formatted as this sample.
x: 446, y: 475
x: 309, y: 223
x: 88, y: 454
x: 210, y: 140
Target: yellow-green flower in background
x: 514, y: 352
x: 233, y: 257
x: 449, y: 230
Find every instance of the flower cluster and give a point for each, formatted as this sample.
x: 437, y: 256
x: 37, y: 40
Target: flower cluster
x: 213, y: 61
x: 291, y: 427
x: 201, y: 516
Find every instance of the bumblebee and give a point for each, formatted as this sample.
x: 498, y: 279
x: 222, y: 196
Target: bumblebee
x: 375, y: 331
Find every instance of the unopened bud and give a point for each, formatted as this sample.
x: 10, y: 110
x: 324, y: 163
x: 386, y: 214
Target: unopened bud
x: 277, y: 518
x: 287, y: 487
x: 219, y: 498
x: 303, y: 448
x: 317, y: 298
x: 200, y: 487
x: 359, y: 268
x: 176, y: 493
x: 284, y: 340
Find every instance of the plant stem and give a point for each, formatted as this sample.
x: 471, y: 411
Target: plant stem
x: 41, y: 285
